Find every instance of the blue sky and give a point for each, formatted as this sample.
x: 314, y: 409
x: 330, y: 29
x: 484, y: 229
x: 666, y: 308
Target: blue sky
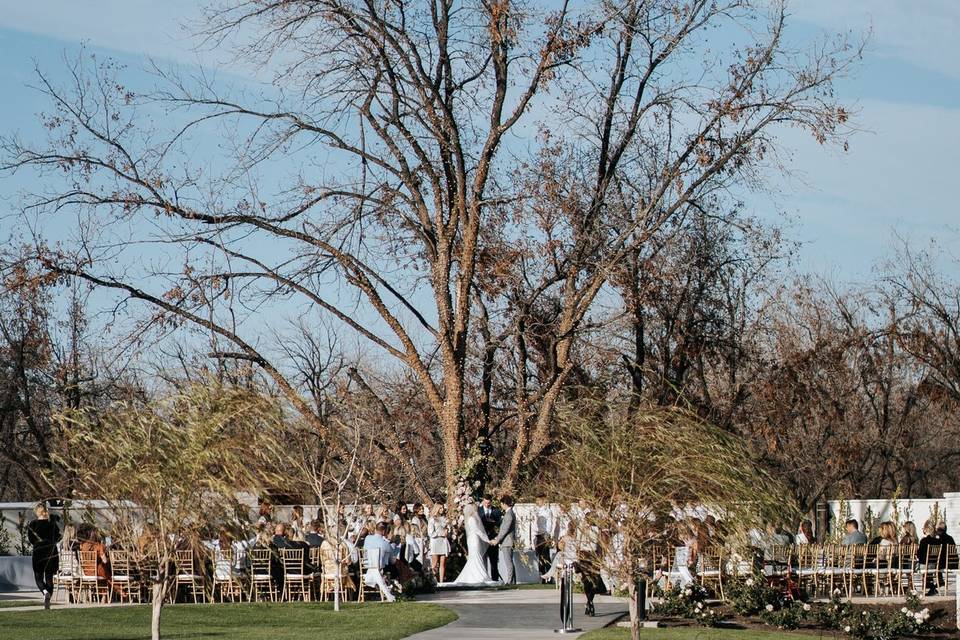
x: 898, y: 177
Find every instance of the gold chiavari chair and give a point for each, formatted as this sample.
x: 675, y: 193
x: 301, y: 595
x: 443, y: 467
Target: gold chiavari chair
x: 261, y: 582
x: 329, y: 581
x: 225, y: 583
x: 188, y: 575
x: 929, y: 567
x: 126, y: 577
x: 710, y: 569
x: 952, y: 564
x: 808, y: 567
x: 296, y: 580
x: 369, y: 559
x: 91, y: 584
x: 904, y: 570
x: 67, y: 577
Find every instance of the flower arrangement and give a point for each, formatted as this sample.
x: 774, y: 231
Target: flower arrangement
x: 788, y: 616
x: 834, y: 613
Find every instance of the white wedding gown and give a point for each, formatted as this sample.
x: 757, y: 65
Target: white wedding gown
x: 475, y: 571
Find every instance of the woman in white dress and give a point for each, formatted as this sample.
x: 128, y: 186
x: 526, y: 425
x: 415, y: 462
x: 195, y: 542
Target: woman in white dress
x: 475, y: 571
x: 437, y: 531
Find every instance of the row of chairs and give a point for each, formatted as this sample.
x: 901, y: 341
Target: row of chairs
x: 78, y: 579
x: 865, y: 570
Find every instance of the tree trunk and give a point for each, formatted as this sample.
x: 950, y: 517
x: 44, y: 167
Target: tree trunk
x: 634, y: 598
x: 156, y: 608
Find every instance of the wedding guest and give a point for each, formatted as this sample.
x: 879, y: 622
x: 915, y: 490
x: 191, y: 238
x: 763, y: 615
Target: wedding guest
x: 505, y: 539
x: 929, y: 539
x: 44, y: 534
x: 280, y: 539
x: 437, y: 531
x: 403, y: 512
x: 379, y: 555
x: 854, y: 535
x: 805, y: 533
x: 888, y: 534
x: 266, y: 514
x: 909, y: 533
x: 92, y: 544
x: 313, y: 537
x: 296, y: 523
x: 383, y: 516
x: 543, y: 533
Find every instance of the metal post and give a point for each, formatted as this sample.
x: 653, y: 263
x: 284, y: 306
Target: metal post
x: 641, y: 590
x: 566, y: 601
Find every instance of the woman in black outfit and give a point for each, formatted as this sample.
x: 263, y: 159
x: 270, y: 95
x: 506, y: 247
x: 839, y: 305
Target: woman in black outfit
x: 44, y: 534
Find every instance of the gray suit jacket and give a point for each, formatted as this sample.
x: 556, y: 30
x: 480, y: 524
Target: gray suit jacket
x: 508, y: 527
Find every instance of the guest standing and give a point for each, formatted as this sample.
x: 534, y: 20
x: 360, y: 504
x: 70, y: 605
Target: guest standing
x: 43, y: 534
x: 543, y: 534
x: 437, y: 531
x: 490, y: 517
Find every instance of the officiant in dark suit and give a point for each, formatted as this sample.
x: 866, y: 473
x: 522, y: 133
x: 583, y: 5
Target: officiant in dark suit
x: 490, y: 516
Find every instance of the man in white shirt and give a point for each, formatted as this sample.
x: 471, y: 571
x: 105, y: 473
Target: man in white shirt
x: 379, y: 553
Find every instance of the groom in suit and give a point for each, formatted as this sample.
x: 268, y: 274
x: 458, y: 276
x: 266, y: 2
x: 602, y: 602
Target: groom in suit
x: 490, y: 517
x: 504, y: 540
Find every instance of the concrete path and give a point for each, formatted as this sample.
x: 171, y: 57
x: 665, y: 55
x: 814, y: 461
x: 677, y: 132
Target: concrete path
x: 514, y: 614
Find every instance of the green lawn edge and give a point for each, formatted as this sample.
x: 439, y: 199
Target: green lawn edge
x: 259, y: 621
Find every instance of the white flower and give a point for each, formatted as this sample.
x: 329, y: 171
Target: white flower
x: 749, y: 582
x: 769, y: 607
x: 846, y: 629
x: 836, y: 592
x: 699, y: 605
x: 905, y: 610
x: 806, y: 607
x: 688, y: 592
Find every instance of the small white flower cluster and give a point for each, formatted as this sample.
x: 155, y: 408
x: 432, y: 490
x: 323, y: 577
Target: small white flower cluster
x: 806, y: 606
x: 749, y: 582
x: 769, y: 607
x: 918, y: 616
x: 846, y: 629
x: 688, y: 592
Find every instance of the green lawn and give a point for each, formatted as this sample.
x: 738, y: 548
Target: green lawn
x: 296, y: 621
x: 690, y: 633
x: 22, y: 602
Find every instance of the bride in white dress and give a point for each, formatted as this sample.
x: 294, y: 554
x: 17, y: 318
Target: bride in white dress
x: 475, y: 571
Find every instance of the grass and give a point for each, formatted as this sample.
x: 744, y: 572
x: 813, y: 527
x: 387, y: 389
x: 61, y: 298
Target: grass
x: 22, y: 602
x: 690, y: 633
x: 261, y: 621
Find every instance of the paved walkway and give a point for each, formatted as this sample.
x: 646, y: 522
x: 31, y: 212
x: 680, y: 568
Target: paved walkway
x: 514, y: 614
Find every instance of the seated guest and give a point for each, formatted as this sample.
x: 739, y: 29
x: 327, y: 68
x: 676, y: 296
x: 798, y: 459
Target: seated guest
x: 379, y: 554
x: 928, y: 540
x: 854, y: 535
x: 888, y: 534
x: 313, y: 537
x: 280, y: 539
x: 805, y: 533
x: 92, y: 544
x: 909, y: 533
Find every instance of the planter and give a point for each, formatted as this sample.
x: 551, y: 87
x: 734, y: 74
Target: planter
x: 16, y: 573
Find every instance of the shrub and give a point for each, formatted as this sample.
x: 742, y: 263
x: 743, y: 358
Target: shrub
x: 751, y: 595
x: 833, y: 614
x: 787, y: 617
x: 681, y: 601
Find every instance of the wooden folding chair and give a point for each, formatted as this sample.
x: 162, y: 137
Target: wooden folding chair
x: 710, y: 570
x: 369, y: 559
x: 225, y: 583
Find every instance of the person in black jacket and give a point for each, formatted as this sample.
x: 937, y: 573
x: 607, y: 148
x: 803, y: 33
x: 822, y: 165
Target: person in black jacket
x: 490, y: 516
x: 44, y: 534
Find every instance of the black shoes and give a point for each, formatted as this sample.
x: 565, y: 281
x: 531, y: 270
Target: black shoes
x: 46, y: 600
x: 590, y: 610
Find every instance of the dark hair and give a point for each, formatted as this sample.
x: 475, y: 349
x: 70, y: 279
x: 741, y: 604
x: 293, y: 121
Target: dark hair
x: 853, y: 521
x: 487, y: 496
x: 381, y: 528
x: 507, y: 499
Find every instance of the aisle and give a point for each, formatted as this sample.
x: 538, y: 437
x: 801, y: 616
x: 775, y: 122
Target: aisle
x: 520, y: 614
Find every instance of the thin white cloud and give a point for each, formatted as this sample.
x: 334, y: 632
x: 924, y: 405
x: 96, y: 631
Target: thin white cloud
x: 921, y: 32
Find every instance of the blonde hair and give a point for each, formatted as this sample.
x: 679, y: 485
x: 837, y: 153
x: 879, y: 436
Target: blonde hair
x: 888, y: 531
x: 41, y: 511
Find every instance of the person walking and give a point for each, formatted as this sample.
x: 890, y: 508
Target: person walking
x: 44, y: 534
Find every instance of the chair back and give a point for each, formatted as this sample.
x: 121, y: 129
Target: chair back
x: 371, y: 560
x: 120, y: 562
x: 259, y: 561
x: 953, y: 562
x: 292, y: 561
x: 68, y: 565
x: 184, y: 563
x: 933, y: 555
x: 88, y: 564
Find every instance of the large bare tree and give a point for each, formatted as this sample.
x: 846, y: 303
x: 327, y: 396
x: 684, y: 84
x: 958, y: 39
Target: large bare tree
x: 440, y: 178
